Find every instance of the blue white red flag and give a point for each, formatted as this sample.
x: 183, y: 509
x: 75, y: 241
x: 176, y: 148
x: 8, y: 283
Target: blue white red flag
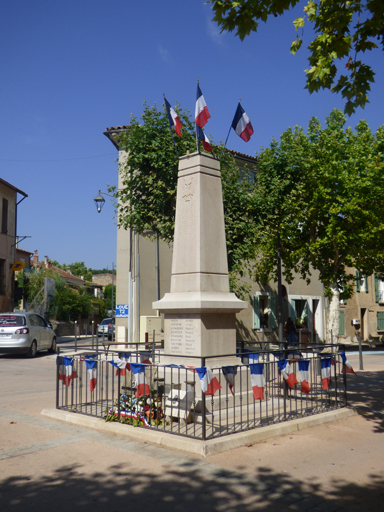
x: 241, y: 124
x: 122, y: 363
x: 304, y: 375
x: 201, y: 110
x: 91, y: 365
x: 348, y: 366
x: 325, y: 371
x: 287, y: 372
x: 230, y: 373
x: 257, y: 380
x: 142, y: 386
x: 201, y: 136
x: 209, y: 383
x: 144, y: 357
x: 66, y: 371
x: 173, y: 118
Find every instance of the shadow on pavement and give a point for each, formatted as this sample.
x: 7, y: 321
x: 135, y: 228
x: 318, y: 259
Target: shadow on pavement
x: 366, y: 391
x: 120, y: 488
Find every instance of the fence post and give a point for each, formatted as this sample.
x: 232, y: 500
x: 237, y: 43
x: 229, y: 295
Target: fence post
x: 57, y: 376
x: 360, y: 353
x: 75, y: 335
x: 153, y: 347
x: 203, y: 433
x: 93, y: 328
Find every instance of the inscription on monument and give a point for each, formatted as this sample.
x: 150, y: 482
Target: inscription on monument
x: 184, y: 336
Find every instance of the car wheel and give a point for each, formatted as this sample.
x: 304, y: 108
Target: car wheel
x: 32, y: 350
x: 53, y: 348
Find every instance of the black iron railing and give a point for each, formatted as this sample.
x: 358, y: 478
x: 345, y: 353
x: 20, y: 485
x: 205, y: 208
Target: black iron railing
x: 134, y: 387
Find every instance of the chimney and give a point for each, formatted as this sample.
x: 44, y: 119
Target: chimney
x: 46, y: 261
x: 35, y: 258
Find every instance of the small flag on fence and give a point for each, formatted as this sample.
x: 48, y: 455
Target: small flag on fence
x: 230, y: 373
x: 287, y: 372
x: 209, y: 383
x: 257, y: 380
x: 325, y: 371
x: 142, y: 386
x: 241, y: 124
x: 122, y: 363
x: 144, y: 357
x: 174, y: 121
x: 91, y: 365
x: 348, y: 366
x: 201, y: 110
x: 304, y: 375
x: 66, y: 371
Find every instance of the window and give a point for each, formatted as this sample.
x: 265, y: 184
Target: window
x: 380, y: 320
x: 301, y: 313
x: 379, y: 289
x: 4, y: 216
x: 361, y: 282
x: 342, y: 324
x: 264, y: 311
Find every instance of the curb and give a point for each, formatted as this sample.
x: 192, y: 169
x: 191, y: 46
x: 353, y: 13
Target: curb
x: 195, y: 446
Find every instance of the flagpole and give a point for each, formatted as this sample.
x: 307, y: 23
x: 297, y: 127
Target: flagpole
x: 228, y: 135
x: 197, y: 140
x: 174, y: 143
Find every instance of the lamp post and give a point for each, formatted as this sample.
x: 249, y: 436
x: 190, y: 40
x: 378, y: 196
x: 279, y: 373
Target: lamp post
x: 99, y: 203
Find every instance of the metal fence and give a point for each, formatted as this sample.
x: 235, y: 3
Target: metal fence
x: 136, y: 388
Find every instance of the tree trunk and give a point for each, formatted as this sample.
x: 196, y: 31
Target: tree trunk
x: 334, y: 315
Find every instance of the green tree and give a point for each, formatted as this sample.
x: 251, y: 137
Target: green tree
x: 345, y: 30
x: 109, y: 299
x: 78, y: 269
x: 72, y: 305
x: 340, y: 194
x: 147, y: 199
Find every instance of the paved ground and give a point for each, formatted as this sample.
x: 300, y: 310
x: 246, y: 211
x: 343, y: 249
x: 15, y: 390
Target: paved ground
x: 48, y: 465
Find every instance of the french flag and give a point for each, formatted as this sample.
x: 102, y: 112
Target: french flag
x: 201, y: 136
x: 209, y: 383
x: 287, y: 372
x: 91, y: 365
x: 257, y: 380
x: 325, y: 371
x: 122, y: 363
x: 241, y: 124
x: 304, y: 375
x: 201, y: 110
x: 348, y: 366
x: 142, y: 386
x: 144, y: 357
x: 66, y: 371
x: 230, y: 373
x: 173, y: 118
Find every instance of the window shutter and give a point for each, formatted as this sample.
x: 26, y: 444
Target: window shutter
x: 272, y: 307
x: 292, y: 310
x: 256, y: 312
x: 357, y: 281
x: 344, y: 290
x: 380, y: 320
x: 377, y: 291
x: 342, y: 324
x: 366, y: 283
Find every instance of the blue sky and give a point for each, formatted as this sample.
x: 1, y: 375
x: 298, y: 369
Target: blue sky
x: 71, y: 69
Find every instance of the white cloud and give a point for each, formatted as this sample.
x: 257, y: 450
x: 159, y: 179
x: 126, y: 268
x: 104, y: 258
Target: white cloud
x: 214, y: 32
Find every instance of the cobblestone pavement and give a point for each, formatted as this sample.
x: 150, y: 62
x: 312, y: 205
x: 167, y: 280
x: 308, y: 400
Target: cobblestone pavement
x: 46, y: 464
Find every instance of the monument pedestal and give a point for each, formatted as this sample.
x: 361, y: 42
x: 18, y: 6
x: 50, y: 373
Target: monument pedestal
x: 199, y: 312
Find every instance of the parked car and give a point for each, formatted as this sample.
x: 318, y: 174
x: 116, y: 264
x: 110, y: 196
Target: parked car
x: 25, y: 333
x: 103, y: 327
x: 111, y: 329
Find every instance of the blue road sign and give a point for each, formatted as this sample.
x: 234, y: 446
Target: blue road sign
x: 121, y: 310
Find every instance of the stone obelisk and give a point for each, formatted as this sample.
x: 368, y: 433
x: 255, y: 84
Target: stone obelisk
x: 199, y: 312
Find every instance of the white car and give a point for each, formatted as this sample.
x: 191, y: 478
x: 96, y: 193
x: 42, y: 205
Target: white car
x: 25, y: 333
x: 103, y: 327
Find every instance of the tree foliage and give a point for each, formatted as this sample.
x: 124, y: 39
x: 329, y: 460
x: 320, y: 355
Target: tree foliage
x: 78, y: 269
x: 147, y: 200
x: 331, y: 216
x: 345, y: 30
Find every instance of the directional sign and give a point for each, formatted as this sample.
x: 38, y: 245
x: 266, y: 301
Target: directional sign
x: 121, y: 310
x: 18, y: 265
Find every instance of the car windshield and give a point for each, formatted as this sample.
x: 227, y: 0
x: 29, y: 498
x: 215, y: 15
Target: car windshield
x: 105, y: 321
x: 10, y: 320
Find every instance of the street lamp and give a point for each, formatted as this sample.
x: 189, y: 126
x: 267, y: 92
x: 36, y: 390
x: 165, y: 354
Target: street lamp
x: 99, y: 200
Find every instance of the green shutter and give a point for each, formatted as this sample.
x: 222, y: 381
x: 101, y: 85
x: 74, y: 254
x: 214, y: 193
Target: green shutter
x: 357, y: 281
x: 272, y: 307
x: 366, y: 283
x: 342, y: 324
x: 380, y: 320
x: 256, y: 312
x: 377, y: 291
